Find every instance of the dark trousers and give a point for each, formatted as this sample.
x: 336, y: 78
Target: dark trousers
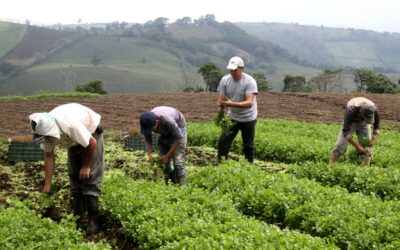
x: 76, y: 157
x: 248, y: 131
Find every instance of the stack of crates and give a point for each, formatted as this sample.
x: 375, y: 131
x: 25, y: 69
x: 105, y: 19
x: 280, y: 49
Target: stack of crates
x: 136, y: 142
x: 24, y: 151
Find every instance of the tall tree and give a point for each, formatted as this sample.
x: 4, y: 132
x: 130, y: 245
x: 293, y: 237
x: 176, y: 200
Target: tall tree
x: 367, y: 81
x: 362, y: 77
x: 295, y: 84
x: 212, y: 76
x: 262, y: 82
x: 328, y: 81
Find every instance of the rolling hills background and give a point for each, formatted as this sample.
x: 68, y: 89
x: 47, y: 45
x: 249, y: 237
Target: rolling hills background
x: 159, y: 56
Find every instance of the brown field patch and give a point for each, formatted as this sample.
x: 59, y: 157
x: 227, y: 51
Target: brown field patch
x: 121, y: 111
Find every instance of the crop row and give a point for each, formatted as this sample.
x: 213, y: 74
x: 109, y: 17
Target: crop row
x: 21, y: 228
x: 169, y: 217
x: 350, y: 221
x: 297, y: 142
x: 380, y: 182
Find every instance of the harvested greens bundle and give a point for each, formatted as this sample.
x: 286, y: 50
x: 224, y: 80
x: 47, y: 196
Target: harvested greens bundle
x: 224, y: 122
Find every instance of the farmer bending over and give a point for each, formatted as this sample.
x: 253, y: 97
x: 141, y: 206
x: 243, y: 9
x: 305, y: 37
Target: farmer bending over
x: 360, y: 114
x: 78, y: 127
x: 171, y: 125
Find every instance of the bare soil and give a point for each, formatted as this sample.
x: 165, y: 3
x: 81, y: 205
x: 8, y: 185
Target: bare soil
x: 121, y: 111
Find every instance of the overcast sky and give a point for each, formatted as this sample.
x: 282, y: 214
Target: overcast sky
x: 378, y: 15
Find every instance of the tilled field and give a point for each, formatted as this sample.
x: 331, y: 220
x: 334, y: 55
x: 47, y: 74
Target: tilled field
x: 121, y: 111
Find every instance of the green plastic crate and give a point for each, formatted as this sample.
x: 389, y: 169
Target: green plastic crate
x: 136, y: 142
x: 23, y: 151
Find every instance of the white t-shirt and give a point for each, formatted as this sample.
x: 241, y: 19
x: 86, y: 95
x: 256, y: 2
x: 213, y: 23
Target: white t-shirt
x: 77, y: 124
x: 236, y: 91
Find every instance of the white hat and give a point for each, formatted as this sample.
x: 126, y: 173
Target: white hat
x: 234, y: 63
x: 46, y: 125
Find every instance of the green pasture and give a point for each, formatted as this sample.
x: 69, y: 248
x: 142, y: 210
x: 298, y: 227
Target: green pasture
x: 128, y: 67
x: 9, y: 35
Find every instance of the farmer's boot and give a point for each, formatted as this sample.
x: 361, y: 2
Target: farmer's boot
x: 92, y: 203
x: 249, y: 154
x: 78, y: 207
x: 221, y: 158
x: 179, y: 176
x: 181, y: 180
x: 169, y: 177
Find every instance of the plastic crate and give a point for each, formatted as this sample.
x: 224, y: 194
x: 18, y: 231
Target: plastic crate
x: 136, y: 142
x: 23, y: 151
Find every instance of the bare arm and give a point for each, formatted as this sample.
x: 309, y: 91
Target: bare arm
x: 223, y: 101
x: 374, y: 139
x: 90, y: 149
x: 171, y: 151
x: 150, y: 155
x: 355, y: 144
x: 49, y: 162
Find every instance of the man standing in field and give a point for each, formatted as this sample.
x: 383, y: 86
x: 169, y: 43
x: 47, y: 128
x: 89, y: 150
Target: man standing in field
x: 360, y: 114
x: 171, y: 125
x: 238, y: 91
x: 78, y: 127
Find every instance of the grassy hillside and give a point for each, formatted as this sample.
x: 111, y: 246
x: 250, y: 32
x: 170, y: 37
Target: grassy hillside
x: 10, y: 34
x: 140, y: 58
x: 333, y: 47
x: 126, y: 67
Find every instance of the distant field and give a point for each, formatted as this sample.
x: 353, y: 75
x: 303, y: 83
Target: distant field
x: 284, y: 68
x: 128, y: 67
x: 9, y: 36
x: 354, y: 54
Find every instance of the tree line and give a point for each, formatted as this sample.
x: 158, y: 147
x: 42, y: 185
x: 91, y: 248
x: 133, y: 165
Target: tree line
x: 330, y: 80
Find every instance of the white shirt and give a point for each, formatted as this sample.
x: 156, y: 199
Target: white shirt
x: 77, y: 123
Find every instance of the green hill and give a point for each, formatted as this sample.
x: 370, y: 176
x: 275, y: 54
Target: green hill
x: 151, y: 57
x: 10, y: 35
x: 159, y: 56
x: 333, y: 47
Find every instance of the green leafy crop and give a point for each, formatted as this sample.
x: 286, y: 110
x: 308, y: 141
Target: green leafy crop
x: 224, y: 122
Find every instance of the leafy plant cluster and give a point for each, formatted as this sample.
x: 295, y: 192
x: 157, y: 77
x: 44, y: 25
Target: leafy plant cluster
x: 22, y: 228
x: 350, y: 221
x: 297, y: 142
x: 379, y: 182
x: 224, y: 122
x: 169, y: 217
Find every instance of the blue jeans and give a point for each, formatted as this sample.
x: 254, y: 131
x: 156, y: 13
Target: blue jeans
x: 164, y: 144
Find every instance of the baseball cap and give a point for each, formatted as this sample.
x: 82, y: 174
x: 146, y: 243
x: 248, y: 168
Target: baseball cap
x: 367, y: 112
x: 147, y: 122
x: 234, y: 63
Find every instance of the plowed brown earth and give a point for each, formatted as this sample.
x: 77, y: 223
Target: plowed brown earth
x: 121, y: 111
